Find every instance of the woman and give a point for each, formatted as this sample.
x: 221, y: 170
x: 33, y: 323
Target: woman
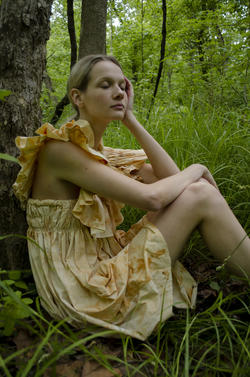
x: 72, y: 186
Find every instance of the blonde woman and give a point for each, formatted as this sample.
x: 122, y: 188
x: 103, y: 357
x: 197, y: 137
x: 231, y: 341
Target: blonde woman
x: 73, y: 189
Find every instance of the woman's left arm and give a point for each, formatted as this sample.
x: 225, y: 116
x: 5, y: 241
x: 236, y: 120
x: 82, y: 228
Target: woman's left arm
x: 162, y: 164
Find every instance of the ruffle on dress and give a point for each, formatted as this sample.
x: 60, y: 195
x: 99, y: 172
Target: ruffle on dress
x: 96, y: 213
x: 79, y: 133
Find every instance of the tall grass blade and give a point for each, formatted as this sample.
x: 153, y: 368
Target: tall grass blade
x: 236, y: 332
x: 67, y: 350
x: 3, y: 365
x: 8, y: 157
x: 187, y: 360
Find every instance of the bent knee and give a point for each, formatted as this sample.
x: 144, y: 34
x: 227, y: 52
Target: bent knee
x: 203, y: 193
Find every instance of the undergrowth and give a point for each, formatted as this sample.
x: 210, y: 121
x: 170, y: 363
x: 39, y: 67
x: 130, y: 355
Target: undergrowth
x: 212, y: 340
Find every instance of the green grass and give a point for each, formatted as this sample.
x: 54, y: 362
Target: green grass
x: 211, y: 341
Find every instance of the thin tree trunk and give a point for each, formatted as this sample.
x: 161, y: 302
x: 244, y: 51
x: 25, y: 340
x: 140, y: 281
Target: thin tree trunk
x: 24, y: 30
x: 72, y: 32
x: 162, y: 54
x: 73, y: 47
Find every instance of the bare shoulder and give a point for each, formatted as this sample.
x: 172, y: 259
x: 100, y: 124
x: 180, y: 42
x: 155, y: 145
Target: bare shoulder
x: 56, y: 148
x: 56, y: 153
x: 67, y: 161
x: 48, y: 182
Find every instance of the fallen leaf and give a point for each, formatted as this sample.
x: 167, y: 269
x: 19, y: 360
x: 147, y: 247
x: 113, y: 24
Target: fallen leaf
x: 70, y: 369
x: 23, y: 340
x: 93, y: 369
x: 110, y: 347
x: 205, y: 293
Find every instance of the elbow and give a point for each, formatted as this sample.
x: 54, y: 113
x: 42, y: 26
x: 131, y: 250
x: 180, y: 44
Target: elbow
x: 154, y: 202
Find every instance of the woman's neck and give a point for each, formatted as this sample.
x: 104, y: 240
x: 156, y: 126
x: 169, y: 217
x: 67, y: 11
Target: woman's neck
x: 98, y: 130
x: 98, y: 133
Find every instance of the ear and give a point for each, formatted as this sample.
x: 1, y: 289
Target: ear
x: 77, y: 97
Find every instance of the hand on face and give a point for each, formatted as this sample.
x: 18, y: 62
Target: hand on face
x: 130, y: 94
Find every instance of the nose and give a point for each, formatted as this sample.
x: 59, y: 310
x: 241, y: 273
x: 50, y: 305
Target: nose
x: 118, y: 92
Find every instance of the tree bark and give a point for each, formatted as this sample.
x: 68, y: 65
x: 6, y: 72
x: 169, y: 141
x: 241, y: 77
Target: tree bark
x: 24, y: 30
x: 93, y: 27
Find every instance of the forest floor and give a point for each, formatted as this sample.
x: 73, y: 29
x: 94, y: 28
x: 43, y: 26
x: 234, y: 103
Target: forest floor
x: 212, y: 340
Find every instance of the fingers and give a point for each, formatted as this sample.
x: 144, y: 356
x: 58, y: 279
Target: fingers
x: 130, y: 93
x: 209, y: 178
x: 129, y: 87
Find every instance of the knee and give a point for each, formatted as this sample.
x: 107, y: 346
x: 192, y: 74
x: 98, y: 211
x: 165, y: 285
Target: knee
x: 204, y: 195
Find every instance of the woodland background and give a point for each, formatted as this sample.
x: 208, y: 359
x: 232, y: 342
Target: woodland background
x: 189, y: 64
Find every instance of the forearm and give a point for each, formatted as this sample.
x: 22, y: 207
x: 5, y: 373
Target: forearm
x: 162, y: 164
x: 166, y: 190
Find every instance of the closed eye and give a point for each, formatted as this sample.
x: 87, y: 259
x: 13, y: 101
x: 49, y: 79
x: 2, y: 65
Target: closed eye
x: 105, y: 85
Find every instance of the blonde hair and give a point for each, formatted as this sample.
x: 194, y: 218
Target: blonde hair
x: 80, y: 74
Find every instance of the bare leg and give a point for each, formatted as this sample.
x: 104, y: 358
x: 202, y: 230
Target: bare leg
x: 201, y: 205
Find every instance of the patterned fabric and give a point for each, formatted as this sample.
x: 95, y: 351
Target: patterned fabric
x: 85, y: 269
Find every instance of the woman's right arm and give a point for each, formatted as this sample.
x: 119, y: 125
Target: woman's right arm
x: 68, y: 162
x: 162, y: 164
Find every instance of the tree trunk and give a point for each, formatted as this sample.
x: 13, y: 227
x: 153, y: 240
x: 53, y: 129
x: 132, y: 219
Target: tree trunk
x: 72, y: 32
x: 162, y: 54
x: 24, y: 30
x: 73, y: 58
x: 93, y: 27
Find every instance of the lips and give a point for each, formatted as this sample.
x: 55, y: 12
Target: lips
x: 118, y: 106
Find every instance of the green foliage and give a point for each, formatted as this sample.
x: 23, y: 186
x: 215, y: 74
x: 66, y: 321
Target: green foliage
x: 3, y: 92
x: 12, y: 307
x: 206, y: 52
x: 8, y: 157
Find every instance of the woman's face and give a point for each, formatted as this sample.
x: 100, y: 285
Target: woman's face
x: 105, y: 98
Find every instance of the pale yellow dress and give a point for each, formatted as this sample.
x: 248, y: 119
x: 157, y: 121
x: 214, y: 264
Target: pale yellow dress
x: 85, y: 270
